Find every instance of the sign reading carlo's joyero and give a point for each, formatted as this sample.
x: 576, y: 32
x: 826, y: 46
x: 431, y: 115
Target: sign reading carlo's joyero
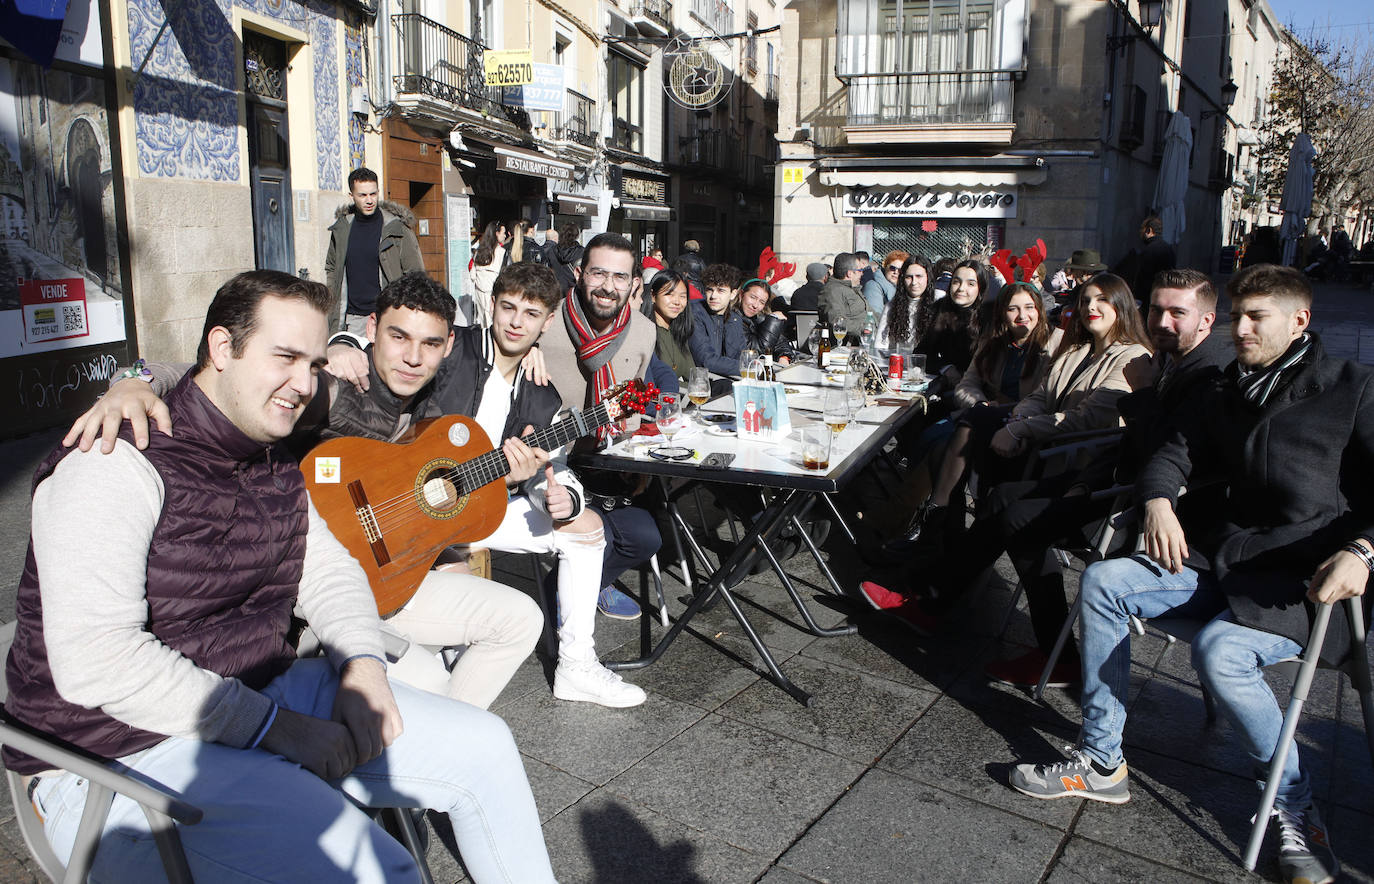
x: 917, y: 201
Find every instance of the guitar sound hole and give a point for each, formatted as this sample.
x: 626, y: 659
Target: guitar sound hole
x: 439, y: 492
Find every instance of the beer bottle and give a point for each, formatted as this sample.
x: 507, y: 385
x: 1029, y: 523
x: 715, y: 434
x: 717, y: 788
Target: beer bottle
x: 824, y: 346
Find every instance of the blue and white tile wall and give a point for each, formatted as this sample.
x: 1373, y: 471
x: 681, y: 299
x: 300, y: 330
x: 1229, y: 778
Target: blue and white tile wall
x: 185, y: 101
x: 353, y: 62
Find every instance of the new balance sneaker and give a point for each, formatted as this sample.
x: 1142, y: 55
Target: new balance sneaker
x: 1305, y: 855
x: 1024, y: 671
x: 907, y: 610
x: 614, y: 603
x: 1074, y: 777
x: 594, y: 683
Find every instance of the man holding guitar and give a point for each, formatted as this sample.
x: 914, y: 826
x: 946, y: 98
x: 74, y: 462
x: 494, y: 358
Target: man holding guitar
x: 153, y: 620
x: 412, y: 333
x: 483, y: 377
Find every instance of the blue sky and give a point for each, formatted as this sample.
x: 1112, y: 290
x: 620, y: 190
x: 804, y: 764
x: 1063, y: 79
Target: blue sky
x: 1332, y: 19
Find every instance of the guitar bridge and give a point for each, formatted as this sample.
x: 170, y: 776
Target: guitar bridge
x: 368, y: 519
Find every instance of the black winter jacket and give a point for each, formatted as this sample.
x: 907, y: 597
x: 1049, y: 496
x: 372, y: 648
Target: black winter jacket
x: 1299, y: 474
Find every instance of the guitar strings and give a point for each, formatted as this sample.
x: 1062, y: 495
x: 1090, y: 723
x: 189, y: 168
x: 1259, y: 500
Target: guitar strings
x: 478, y: 471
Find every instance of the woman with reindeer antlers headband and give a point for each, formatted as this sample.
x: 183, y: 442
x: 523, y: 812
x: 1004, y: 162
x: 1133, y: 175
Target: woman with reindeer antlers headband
x: 1078, y: 392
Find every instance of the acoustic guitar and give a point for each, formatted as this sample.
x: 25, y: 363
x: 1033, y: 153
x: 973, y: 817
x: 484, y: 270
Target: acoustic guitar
x: 397, y: 505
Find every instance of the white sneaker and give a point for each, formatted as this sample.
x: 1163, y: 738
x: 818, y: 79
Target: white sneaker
x: 594, y: 683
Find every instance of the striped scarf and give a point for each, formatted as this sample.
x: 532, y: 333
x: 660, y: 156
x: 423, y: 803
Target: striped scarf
x: 1258, y: 385
x: 595, y: 351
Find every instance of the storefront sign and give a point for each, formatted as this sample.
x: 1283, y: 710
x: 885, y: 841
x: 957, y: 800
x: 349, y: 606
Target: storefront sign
x: 544, y: 94
x: 578, y: 208
x: 525, y: 164
x: 491, y: 185
x: 930, y: 202
x: 649, y: 190
x: 508, y: 67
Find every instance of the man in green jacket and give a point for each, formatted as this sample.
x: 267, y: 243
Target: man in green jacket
x: 371, y: 244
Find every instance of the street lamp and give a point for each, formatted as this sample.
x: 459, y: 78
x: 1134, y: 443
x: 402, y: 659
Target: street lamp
x: 1228, y: 98
x: 1151, y: 11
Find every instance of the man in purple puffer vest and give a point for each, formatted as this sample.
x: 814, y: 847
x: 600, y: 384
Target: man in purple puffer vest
x: 161, y: 641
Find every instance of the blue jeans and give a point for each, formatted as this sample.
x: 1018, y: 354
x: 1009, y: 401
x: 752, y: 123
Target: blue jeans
x: 267, y: 819
x: 1228, y: 658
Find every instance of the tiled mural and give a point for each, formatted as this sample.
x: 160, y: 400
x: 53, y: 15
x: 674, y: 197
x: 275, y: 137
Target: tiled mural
x: 185, y: 99
x: 353, y: 62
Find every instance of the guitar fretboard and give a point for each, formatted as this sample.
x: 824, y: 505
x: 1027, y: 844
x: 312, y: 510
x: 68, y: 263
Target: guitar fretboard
x: 473, y: 474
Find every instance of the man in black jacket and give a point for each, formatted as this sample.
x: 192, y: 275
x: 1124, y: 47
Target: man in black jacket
x: 1290, y: 432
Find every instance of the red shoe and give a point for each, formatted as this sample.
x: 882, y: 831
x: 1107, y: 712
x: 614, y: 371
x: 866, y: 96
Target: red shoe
x: 880, y: 597
x: 1025, y: 670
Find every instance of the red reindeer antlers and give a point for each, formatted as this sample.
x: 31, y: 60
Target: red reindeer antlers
x: 771, y: 268
x: 1033, y: 258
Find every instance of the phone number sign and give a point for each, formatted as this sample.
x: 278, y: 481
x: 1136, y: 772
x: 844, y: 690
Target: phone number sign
x: 508, y: 67
x: 54, y: 309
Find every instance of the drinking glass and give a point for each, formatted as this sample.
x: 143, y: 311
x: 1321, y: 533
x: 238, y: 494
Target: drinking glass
x: 670, y: 418
x: 816, y: 447
x: 835, y: 412
x: 917, y: 363
x: 699, y: 389
x: 748, y: 370
x: 841, y: 328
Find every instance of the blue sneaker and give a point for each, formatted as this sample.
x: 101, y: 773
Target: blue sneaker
x: 614, y: 603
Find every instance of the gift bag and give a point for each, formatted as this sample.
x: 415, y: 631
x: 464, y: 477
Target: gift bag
x: 761, y: 411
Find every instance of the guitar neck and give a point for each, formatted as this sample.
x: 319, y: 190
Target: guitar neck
x: 493, y: 465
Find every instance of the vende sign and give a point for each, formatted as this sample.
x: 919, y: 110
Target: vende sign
x: 54, y: 309
x: 931, y: 202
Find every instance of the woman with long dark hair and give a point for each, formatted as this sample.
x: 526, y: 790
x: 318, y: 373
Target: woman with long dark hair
x: 1078, y: 392
x: 764, y: 329
x: 954, y: 322
x: 487, y: 261
x: 665, y: 302
x: 906, y: 317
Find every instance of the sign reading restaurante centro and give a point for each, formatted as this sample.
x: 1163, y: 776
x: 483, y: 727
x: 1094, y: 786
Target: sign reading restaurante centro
x: 930, y: 202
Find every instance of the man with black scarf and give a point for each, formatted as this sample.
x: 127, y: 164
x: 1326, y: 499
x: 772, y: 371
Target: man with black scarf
x: 1290, y: 432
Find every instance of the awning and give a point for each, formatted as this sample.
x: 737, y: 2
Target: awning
x: 536, y: 165
x: 934, y: 177
x: 645, y: 211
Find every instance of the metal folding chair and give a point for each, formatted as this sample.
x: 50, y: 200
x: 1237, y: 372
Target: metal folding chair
x: 163, y: 807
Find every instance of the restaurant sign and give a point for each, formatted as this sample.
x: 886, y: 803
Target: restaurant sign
x: 931, y: 202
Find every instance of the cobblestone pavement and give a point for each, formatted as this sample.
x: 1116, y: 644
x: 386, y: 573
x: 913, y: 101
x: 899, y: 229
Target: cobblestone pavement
x: 897, y: 772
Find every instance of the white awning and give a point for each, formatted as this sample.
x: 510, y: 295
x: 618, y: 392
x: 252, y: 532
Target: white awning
x: 933, y: 177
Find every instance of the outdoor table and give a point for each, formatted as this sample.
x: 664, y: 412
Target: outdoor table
x: 771, y: 466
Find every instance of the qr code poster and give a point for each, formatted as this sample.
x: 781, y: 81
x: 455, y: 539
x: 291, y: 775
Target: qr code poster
x: 54, y: 309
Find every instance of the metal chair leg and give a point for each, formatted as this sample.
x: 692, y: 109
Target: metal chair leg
x: 1064, y: 632
x: 1311, y: 654
x: 1011, y: 609
x: 410, y: 839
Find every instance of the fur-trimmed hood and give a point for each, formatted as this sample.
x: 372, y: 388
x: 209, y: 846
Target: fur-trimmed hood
x: 395, y: 210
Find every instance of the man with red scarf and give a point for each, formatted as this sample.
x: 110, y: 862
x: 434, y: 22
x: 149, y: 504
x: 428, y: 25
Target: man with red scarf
x: 597, y: 342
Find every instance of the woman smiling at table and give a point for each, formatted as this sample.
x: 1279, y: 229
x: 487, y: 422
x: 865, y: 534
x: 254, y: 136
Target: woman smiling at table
x: 666, y: 305
x: 764, y: 329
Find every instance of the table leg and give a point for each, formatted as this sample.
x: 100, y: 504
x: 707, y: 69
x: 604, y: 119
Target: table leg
x: 784, y: 506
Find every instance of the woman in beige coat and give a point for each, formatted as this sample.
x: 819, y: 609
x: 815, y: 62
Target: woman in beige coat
x: 1078, y: 392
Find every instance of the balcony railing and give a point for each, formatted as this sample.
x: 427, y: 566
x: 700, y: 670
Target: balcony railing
x: 658, y: 12
x: 773, y: 88
x: 939, y: 97
x: 441, y: 63
x: 576, y: 121
x: 713, y: 149
x: 715, y: 14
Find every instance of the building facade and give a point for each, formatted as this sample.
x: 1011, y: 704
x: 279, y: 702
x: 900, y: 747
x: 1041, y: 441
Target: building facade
x: 940, y: 127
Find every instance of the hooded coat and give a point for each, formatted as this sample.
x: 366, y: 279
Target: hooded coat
x: 397, y: 253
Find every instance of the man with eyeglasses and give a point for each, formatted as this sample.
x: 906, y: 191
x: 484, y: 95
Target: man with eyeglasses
x: 597, y: 341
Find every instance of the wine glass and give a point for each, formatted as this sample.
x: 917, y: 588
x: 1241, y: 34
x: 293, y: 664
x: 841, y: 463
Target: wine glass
x: 835, y: 411
x: 841, y: 328
x: 748, y: 370
x: 670, y: 418
x: 699, y: 389
x: 813, y: 340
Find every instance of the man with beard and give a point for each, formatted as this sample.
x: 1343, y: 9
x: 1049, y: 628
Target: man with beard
x: 1289, y: 433
x: 1029, y: 519
x: 598, y: 341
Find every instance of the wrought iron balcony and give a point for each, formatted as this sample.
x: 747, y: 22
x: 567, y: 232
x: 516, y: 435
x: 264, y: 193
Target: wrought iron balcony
x: 772, y: 89
x: 715, y: 14
x: 577, y: 120
x: 656, y: 14
x: 713, y: 149
x: 958, y: 97
x: 441, y: 63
